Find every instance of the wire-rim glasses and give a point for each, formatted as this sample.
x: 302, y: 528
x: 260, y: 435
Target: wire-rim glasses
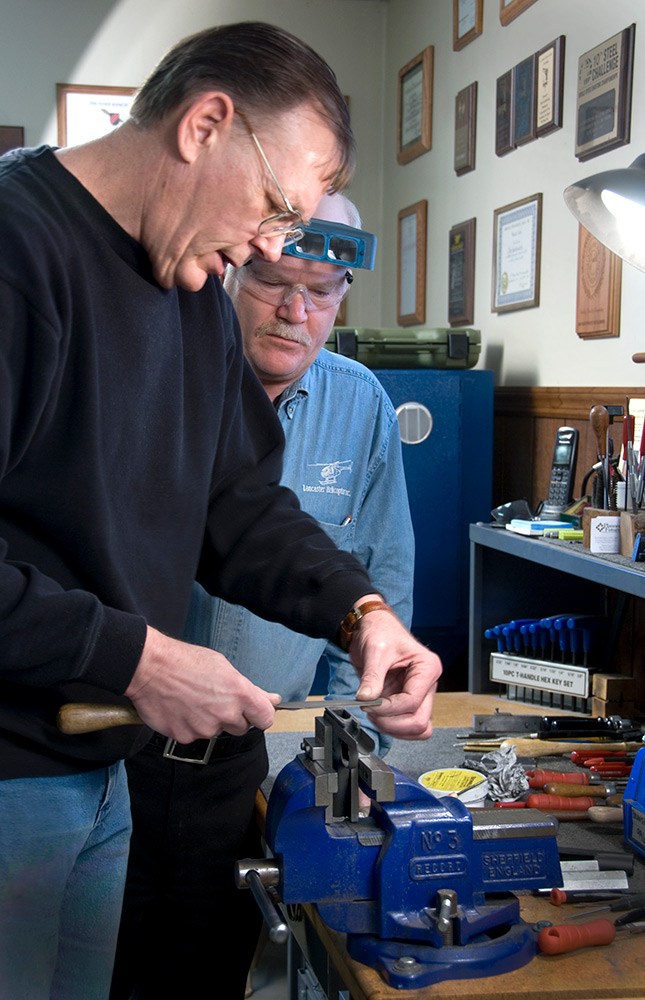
x: 287, y: 224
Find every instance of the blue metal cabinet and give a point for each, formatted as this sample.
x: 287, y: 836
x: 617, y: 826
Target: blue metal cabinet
x: 449, y: 480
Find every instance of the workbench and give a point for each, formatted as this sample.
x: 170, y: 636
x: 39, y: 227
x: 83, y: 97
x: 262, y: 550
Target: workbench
x: 616, y: 970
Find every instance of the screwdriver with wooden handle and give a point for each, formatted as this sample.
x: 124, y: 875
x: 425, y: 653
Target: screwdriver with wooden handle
x: 77, y: 718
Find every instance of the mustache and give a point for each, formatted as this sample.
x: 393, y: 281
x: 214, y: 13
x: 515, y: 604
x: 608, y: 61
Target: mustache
x: 277, y: 328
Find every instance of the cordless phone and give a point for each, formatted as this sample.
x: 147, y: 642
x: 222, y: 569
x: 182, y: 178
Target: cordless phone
x: 563, y: 467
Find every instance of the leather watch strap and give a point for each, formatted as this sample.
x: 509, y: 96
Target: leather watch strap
x: 353, y: 617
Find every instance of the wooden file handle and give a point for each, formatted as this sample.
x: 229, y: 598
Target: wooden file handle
x: 76, y: 718
x: 552, y: 748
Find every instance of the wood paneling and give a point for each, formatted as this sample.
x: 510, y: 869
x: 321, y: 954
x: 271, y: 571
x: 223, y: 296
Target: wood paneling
x: 526, y: 419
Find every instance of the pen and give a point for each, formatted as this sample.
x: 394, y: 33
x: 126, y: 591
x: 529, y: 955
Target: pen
x: 346, y: 520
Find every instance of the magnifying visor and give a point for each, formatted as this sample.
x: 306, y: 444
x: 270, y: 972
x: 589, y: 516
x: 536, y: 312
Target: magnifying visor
x: 335, y: 243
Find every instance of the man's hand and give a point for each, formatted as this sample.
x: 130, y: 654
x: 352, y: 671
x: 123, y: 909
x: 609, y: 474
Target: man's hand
x: 190, y: 692
x: 394, y: 666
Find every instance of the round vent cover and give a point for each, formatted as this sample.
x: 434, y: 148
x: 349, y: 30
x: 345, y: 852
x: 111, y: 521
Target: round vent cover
x: 415, y: 422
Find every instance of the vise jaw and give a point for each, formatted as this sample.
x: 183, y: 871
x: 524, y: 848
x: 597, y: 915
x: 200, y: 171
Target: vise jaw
x: 422, y: 887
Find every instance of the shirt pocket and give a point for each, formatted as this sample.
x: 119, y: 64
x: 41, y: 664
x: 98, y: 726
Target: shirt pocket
x: 342, y: 534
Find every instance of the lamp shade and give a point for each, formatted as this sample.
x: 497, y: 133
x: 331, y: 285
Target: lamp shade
x: 611, y: 205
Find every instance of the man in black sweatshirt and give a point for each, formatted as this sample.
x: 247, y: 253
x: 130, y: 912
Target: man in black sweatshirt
x: 138, y: 452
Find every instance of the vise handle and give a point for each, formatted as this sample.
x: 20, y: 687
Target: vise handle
x: 256, y: 875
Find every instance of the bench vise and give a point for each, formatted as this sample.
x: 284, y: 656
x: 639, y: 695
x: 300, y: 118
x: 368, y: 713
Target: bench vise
x: 422, y: 887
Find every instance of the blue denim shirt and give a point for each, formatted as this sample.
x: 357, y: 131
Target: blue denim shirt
x: 343, y: 461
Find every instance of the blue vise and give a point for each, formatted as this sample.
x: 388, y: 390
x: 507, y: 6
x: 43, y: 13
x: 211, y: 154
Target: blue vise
x: 422, y: 887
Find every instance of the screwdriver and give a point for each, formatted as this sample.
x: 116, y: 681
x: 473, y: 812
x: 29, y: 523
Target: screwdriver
x: 568, y: 802
x: 560, y: 939
x: 538, y: 778
x: 575, y: 791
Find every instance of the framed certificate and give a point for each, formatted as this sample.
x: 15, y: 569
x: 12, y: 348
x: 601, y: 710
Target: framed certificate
x: 510, y: 9
x: 465, y: 129
x: 411, y: 264
x: 604, y: 101
x: 517, y: 238
x: 598, y: 288
x: 86, y: 113
x: 524, y: 101
x: 467, y: 21
x: 504, y: 142
x: 414, y: 125
x: 549, y: 87
x: 461, y: 273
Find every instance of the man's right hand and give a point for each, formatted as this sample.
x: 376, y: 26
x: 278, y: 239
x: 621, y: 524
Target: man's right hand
x: 191, y: 692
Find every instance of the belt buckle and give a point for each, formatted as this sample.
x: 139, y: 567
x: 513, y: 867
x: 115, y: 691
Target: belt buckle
x: 171, y: 746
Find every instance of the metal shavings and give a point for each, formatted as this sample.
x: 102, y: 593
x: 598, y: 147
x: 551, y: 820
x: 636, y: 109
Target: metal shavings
x: 506, y: 778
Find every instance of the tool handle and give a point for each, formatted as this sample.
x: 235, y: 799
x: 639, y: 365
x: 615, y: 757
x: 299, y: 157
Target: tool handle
x: 575, y: 791
x: 538, y: 801
x: 538, y: 778
x: 553, y: 748
x: 605, y: 814
x: 77, y: 717
x: 559, y: 939
x: 583, y: 758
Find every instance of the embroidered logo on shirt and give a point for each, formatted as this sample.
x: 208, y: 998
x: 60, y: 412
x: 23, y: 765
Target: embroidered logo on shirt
x: 329, y: 475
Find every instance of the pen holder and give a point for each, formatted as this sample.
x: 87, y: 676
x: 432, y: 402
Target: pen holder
x: 630, y: 526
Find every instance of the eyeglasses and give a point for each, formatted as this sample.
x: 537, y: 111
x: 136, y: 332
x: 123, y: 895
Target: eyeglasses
x: 335, y: 243
x: 264, y: 286
x: 287, y: 224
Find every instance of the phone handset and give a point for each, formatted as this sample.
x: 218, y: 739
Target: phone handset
x: 563, y: 468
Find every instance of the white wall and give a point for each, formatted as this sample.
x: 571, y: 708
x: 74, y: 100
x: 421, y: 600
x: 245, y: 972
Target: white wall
x: 536, y: 346
x: 117, y: 42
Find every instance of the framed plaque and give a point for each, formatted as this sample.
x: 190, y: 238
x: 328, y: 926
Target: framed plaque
x: 465, y: 129
x: 524, y: 101
x: 414, y: 125
x: 604, y: 100
x: 467, y: 21
x: 510, y: 9
x: 517, y: 238
x: 504, y: 114
x: 11, y: 137
x: 598, y: 288
x: 549, y: 87
x: 86, y: 113
x: 411, y: 264
x: 461, y: 274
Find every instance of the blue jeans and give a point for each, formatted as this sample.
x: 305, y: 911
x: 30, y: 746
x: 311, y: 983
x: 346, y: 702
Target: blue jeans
x: 63, y: 857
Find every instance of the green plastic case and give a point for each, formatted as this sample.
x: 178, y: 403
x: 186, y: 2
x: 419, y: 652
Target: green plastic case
x: 406, y: 348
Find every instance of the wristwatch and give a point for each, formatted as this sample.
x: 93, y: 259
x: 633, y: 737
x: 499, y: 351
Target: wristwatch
x: 353, y: 617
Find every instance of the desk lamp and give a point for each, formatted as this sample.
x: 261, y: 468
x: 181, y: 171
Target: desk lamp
x: 611, y: 205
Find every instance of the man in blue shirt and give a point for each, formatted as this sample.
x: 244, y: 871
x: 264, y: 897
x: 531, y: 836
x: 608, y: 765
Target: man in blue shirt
x: 343, y: 461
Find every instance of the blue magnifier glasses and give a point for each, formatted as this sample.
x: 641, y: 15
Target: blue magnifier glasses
x: 335, y: 243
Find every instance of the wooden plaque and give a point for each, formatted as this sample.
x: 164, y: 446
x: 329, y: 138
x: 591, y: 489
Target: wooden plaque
x: 598, y: 288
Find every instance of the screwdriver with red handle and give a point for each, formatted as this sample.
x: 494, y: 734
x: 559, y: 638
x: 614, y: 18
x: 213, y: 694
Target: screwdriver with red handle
x: 560, y: 939
x: 538, y: 778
